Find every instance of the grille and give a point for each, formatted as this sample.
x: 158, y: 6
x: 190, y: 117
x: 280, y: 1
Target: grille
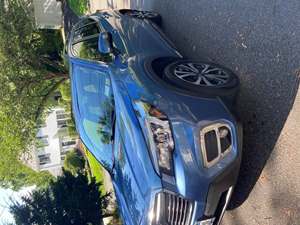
x: 216, y: 142
x: 174, y: 209
x: 179, y: 210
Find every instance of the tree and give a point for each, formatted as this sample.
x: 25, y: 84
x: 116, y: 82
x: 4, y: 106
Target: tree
x: 13, y: 174
x: 69, y: 200
x: 30, y: 72
x: 116, y: 219
x: 65, y: 101
x: 19, y: 175
x: 74, y: 162
x: 106, y: 121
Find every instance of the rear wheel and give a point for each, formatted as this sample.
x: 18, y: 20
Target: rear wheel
x: 152, y: 16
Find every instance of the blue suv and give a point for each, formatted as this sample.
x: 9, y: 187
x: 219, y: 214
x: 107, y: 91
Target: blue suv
x: 162, y: 125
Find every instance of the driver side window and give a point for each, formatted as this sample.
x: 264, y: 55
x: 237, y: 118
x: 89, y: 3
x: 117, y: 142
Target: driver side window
x: 85, y: 42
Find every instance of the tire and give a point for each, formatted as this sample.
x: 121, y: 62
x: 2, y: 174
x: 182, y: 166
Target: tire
x: 148, y: 15
x: 201, y: 77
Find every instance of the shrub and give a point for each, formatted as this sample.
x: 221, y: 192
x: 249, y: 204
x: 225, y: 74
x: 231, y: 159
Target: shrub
x: 74, y: 162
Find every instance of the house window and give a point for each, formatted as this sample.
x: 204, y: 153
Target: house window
x: 43, y: 141
x: 58, y: 112
x: 68, y: 143
x: 63, y: 153
x: 62, y: 123
x: 44, y: 159
x: 61, y: 116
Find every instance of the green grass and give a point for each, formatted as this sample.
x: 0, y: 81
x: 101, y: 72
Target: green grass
x: 96, y: 169
x: 79, y: 7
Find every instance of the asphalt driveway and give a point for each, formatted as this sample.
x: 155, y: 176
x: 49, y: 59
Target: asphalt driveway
x: 260, y: 41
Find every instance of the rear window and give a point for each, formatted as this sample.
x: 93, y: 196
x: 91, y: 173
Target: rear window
x: 87, y: 28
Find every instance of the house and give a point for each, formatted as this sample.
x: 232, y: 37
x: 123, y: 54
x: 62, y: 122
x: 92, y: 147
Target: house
x: 53, y: 143
x: 48, y: 14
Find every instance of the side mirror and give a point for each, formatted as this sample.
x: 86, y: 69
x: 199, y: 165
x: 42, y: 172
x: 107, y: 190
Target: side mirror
x: 105, y: 43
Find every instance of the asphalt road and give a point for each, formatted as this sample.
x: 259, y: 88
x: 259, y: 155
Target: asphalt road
x: 260, y: 41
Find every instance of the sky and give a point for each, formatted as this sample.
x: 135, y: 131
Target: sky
x: 5, y: 198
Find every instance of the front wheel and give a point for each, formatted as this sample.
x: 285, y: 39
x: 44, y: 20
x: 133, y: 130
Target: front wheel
x: 152, y: 16
x: 201, y: 77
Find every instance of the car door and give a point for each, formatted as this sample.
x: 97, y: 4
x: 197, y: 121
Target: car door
x: 93, y: 102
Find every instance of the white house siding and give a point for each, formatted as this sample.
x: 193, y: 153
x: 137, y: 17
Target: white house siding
x: 48, y: 14
x: 51, y: 150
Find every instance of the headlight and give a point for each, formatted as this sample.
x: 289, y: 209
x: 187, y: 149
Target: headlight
x: 156, y: 128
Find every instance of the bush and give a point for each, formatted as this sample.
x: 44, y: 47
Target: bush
x: 65, y: 91
x: 79, y: 7
x: 74, y: 162
x: 69, y: 200
x: 52, y: 44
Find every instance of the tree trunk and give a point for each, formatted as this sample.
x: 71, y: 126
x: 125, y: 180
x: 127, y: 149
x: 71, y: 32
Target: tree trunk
x: 51, y: 75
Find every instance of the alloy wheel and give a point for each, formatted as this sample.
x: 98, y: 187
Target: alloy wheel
x: 201, y: 74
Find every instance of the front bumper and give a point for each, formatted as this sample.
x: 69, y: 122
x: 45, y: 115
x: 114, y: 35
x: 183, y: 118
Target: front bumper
x: 198, y: 213
x: 220, y: 189
x: 210, y: 209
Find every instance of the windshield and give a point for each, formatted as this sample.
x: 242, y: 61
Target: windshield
x: 95, y: 107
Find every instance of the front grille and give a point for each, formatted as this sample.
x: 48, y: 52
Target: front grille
x: 179, y: 210
x: 216, y: 142
x: 174, y: 210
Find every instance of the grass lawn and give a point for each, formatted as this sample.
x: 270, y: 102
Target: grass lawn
x: 79, y: 7
x: 96, y: 169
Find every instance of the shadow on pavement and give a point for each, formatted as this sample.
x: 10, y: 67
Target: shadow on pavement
x: 261, y: 44
x: 260, y: 136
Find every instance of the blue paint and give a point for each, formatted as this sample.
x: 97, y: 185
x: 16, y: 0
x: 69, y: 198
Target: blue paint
x: 98, y: 86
